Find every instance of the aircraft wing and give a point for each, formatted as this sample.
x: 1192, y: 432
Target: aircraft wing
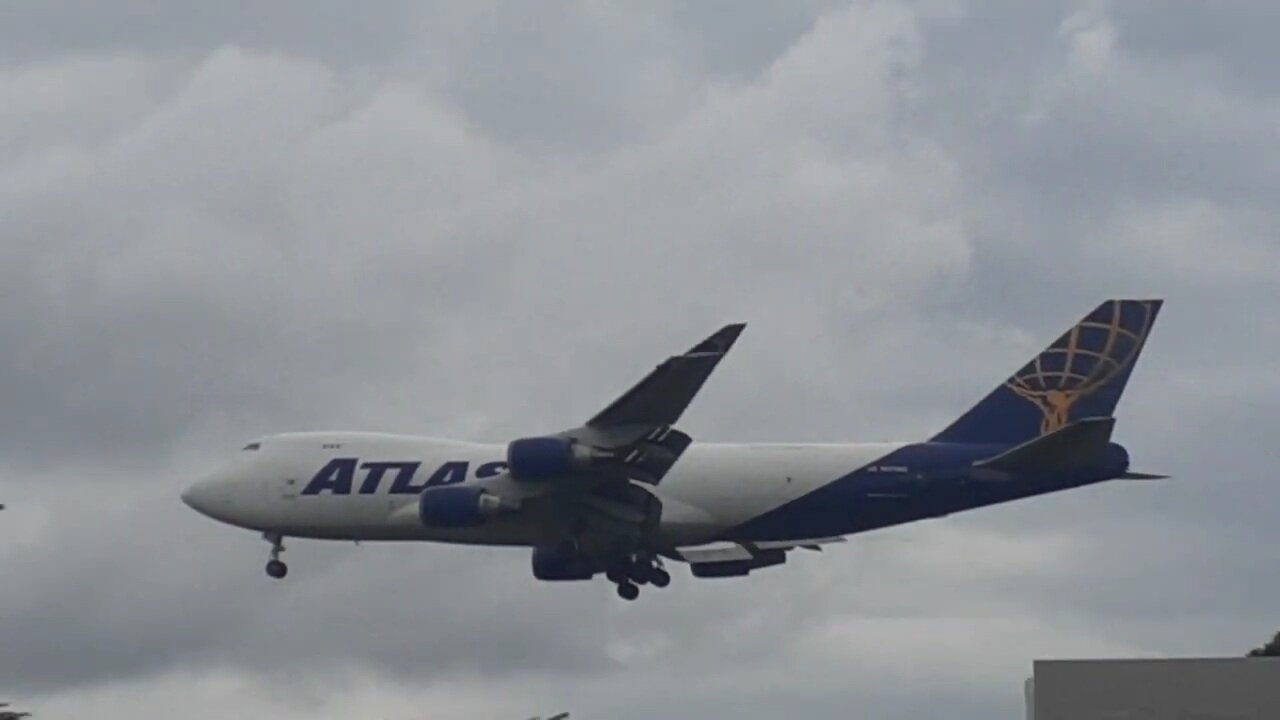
x: 637, y: 427
x: 631, y: 445
x: 662, y: 396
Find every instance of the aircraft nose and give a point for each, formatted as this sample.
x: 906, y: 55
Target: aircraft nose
x: 207, y: 496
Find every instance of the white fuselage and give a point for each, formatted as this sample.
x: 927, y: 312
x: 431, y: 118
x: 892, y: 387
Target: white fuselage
x: 272, y: 487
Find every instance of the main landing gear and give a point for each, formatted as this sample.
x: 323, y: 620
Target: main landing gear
x: 275, y: 566
x: 635, y: 571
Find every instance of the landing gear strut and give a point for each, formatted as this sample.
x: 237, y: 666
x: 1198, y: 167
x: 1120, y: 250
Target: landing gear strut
x: 637, y: 570
x: 275, y: 566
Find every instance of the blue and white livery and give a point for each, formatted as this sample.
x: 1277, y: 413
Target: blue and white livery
x: 627, y: 490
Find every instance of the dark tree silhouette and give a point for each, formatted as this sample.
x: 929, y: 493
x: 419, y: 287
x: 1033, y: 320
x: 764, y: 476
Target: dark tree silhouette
x: 1271, y: 649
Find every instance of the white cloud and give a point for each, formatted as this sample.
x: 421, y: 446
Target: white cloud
x: 1092, y: 36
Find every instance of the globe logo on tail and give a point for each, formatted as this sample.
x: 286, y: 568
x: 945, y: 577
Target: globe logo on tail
x: 1088, y: 357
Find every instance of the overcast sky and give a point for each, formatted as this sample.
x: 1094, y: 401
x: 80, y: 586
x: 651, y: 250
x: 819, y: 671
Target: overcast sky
x: 484, y: 220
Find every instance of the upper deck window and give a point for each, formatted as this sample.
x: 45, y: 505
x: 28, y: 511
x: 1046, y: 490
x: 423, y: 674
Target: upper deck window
x: 251, y: 446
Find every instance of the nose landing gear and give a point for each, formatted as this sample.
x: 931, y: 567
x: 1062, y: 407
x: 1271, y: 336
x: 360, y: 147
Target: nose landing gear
x: 275, y: 566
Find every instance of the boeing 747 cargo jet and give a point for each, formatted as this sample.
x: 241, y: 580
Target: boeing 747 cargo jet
x: 627, y: 490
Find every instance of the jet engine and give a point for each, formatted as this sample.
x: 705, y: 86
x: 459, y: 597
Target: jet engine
x: 562, y: 562
x: 546, y: 458
x: 460, y: 506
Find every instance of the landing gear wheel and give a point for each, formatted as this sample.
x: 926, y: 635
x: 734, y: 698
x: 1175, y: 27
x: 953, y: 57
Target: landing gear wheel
x: 277, y: 569
x: 641, y: 573
x: 627, y: 591
x: 660, y: 578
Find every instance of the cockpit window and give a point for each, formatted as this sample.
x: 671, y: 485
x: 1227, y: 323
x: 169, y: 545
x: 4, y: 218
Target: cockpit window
x: 251, y: 446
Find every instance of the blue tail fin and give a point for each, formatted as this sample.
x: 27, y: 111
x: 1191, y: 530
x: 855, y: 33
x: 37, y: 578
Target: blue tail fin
x: 1081, y: 375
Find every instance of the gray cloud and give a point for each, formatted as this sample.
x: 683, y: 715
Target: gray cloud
x: 336, y: 31
x: 462, y: 222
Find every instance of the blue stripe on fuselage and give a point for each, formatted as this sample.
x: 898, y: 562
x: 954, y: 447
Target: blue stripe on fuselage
x: 912, y: 483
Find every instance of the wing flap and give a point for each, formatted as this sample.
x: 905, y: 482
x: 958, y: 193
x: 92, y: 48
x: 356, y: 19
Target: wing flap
x: 731, y: 551
x: 808, y: 543
x: 653, y: 455
x: 715, y: 552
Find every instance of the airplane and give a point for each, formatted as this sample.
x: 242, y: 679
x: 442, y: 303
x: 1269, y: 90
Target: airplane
x: 627, y: 492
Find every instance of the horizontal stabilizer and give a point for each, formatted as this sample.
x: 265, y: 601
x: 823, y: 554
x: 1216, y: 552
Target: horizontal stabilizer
x: 1082, y: 443
x: 1142, y: 476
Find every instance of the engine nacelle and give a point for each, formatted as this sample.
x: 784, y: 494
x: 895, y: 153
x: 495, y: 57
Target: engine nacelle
x: 562, y: 563
x: 547, y: 458
x: 738, y: 568
x: 459, y: 506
